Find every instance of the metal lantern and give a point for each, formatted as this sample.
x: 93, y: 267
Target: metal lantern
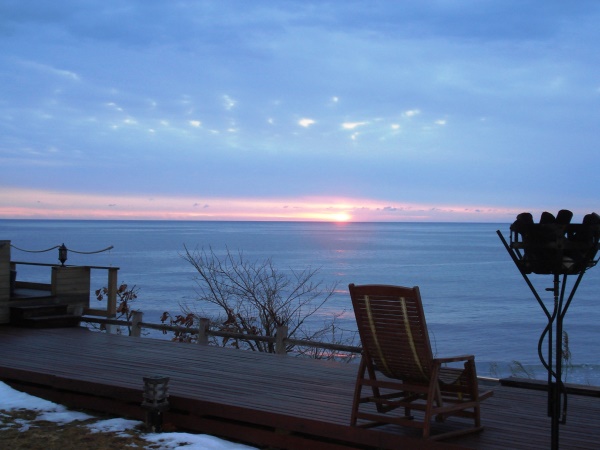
x: 155, y: 400
x: 62, y: 254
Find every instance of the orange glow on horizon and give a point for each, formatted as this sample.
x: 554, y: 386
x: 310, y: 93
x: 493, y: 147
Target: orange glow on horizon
x: 37, y: 204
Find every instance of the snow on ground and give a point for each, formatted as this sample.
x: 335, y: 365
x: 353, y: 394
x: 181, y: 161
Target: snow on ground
x: 11, y: 399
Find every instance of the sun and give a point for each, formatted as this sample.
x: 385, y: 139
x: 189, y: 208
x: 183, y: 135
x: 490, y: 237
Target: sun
x: 341, y: 217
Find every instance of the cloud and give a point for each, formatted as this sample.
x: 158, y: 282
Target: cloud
x: 306, y: 122
x: 411, y: 113
x: 113, y: 105
x: 229, y: 103
x: 352, y: 125
x: 47, y: 69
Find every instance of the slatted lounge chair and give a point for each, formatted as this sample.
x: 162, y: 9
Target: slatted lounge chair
x: 398, y: 369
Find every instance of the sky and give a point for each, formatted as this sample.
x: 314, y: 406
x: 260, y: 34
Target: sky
x: 52, y: 412
x: 415, y: 110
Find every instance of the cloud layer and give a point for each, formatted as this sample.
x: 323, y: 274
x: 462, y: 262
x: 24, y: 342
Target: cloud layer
x: 470, y: 105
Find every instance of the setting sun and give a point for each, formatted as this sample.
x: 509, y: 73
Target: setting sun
x: 341, y: 217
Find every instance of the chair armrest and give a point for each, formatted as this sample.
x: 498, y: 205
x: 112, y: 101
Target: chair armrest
x: 454, y: 359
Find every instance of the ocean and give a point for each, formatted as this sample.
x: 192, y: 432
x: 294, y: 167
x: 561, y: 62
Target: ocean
x: 474, y: 297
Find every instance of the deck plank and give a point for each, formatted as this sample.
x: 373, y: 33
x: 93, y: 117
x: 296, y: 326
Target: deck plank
x: 262, y: 398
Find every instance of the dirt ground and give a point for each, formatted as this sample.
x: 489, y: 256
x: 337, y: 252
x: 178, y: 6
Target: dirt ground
x: 72, y: 436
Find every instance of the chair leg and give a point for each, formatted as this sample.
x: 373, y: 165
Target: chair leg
x: 376, y: 392
x: 434, y: 396
x: 477, y: 416
x: 357, y: 391
x: 472, y: 370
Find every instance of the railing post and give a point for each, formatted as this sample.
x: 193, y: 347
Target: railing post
x: 280, y: 337
x: 111, y: 306
x: 203, y: 326
x: 136, y: 319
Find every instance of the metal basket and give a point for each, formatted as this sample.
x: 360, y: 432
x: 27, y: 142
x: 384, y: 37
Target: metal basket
x: 555, y: 248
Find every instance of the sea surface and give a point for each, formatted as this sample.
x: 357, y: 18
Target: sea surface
x: 475, y: 299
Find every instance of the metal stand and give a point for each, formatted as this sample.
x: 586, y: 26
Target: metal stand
x: 557, y: 395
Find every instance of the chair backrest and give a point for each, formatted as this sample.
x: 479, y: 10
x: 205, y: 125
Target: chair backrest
x: 393, y: 331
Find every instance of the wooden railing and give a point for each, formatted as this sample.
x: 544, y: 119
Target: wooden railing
x: 281, y: 339
x: 62, y: 284
x: 111, y: 296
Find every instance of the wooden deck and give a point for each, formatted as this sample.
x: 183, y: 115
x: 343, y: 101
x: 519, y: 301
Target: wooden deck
x: 260, y: 399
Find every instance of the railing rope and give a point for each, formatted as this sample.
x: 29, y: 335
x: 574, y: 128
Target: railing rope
x: 63, y: 251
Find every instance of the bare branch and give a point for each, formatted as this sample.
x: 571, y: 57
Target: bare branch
x: 254, y: 298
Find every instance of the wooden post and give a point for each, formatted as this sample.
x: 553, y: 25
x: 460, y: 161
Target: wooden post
x: 136, y: 319
x: 111, y: 307
x: 203, y: 327
x: 71, y: 286
x: 280, y: 338
x: 5, y: 281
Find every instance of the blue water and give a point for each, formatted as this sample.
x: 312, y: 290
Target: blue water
x: 475, y: 299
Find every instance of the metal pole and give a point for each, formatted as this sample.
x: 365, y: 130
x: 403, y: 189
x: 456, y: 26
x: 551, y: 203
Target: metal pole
x: 554, y: 387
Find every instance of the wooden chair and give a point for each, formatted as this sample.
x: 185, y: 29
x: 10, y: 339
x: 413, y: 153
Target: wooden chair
x: 398, y: 366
